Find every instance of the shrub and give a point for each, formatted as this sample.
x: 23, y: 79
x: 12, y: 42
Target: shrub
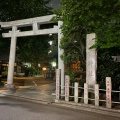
x: 4, y: 74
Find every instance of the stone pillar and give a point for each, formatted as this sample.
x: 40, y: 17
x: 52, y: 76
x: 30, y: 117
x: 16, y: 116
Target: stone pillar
x: 9, y: 84
x: 91, y: 60
x: 67, y: 83
x: 119, y: 93
x: 108, y: 92
x: 58, y: 73
x: 85, y: 93
x: 96, y: 95
x: 76, y: 92
x: 35, y: 26
x: 60, y: 61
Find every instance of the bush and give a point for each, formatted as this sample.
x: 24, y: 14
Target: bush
x: 108, y: 68
x: 1, y: 83
x: 30, y: 71
x: 4, y: 74
x: 73, y: 78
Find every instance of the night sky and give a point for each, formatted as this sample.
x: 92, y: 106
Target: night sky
x: 55, y: 4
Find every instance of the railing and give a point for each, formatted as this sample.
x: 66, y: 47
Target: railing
x: 72, y: 93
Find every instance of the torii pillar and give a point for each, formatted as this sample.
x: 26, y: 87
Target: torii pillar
x: 34, y: 22
x: 60, y: 61
x: 10, y: 84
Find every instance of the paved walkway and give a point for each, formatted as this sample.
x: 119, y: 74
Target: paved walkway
x: 44, y: 92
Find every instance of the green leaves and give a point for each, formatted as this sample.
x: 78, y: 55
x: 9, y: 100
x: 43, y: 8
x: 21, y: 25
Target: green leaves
x: 107, y: 67
x: 29, y: 49
x: 81, y: 17
x: 33, y: 49
x: 21, y: 9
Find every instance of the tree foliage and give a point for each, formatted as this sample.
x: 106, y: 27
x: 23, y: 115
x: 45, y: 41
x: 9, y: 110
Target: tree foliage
x: 81, y: 17
x: 108, y: 68
x: 34, y: 50
x: 29, y: 49
x: 22, y: 9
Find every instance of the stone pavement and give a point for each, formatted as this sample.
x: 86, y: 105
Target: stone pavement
x: 44, y: 92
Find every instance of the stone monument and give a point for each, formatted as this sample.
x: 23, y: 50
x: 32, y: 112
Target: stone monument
x: 91, y: 61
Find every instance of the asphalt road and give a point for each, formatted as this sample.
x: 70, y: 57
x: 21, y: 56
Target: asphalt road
x: 14, y: 109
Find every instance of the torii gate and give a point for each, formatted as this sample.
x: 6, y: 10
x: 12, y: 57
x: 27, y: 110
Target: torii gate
x: 34, y: 22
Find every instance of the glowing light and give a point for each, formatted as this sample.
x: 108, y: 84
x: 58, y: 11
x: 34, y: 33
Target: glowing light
x: 50, y: 34
x: 50, y: 42
x: 49, y: 51
x: 54, y: 64
x: 44, y: 68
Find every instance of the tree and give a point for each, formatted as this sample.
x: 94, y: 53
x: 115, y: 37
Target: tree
x: 34, y: 50
x: 22, y: 9
x: 29, y: 49
x: 82, y: 17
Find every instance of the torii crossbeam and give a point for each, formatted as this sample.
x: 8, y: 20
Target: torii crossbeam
x: 34, y: 22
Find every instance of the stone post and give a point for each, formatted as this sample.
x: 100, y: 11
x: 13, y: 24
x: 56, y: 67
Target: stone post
x: 91, y: 60
x: 76, y: 92
x: 60, y: 61
x: 96, y: 95
x: 58, y: 84
x: 35, y: 26
x: 9, y: 84
x: 119, y: 93
x: 67, y: 83
x: 85, y: 93
x: 108, y: 92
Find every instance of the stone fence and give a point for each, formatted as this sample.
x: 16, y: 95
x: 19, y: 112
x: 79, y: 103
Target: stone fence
x: 72, y: 93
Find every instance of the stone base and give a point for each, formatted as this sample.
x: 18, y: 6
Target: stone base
x: 9, y: 86
x: 57, y: 101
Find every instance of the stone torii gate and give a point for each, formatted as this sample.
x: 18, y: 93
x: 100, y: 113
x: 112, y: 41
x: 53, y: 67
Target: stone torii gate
x: 34, y: 22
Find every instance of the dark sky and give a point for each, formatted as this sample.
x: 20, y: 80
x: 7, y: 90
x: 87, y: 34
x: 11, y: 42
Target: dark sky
x: 55, y: 4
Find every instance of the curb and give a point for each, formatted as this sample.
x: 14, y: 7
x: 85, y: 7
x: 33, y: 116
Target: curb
x: 27, y: 99
x: 89, y: 108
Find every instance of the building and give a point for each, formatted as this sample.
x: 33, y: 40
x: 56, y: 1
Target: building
x: 4, y: 60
